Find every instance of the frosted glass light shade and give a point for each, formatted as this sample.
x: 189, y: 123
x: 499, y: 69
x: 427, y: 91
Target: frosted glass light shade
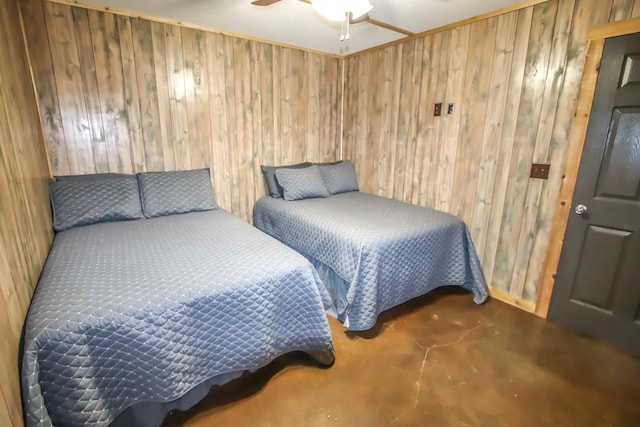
x: 336, y: 10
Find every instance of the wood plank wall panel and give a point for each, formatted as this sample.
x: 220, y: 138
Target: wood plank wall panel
x: 25, y: 217
x: 121, y: 94
x: 514, y: 80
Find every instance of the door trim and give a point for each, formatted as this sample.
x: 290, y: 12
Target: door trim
x: 596, y: 37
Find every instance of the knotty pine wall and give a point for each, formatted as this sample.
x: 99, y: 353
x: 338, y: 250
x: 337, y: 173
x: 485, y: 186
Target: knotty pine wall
x: 121, y: 94
x: 25, y: 217
x: 514, y: 80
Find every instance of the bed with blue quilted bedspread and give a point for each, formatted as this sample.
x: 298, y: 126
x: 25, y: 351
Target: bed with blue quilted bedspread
x: 147, y: 311
x: 374, y: 253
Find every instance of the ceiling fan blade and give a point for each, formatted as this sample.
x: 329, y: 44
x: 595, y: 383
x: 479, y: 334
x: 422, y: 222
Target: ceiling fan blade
x: 264, y: 2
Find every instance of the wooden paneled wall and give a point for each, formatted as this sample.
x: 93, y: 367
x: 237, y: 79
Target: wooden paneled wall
x: 25, y: 217
x: 121, y: 94
x: 514, y: 81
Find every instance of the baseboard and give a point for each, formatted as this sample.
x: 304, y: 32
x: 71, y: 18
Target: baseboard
x: 528, y: 306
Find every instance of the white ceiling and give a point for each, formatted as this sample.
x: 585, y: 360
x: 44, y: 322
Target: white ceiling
x: 294, y: 23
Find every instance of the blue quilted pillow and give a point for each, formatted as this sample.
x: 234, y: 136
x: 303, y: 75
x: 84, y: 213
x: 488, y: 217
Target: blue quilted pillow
x: 302, y: 183
x: 87, y: 201
x: 269, y: 172
x: 339, y: 177
x: 168, y: 193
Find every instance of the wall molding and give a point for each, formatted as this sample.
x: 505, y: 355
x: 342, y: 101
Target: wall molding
x: 614, y: 29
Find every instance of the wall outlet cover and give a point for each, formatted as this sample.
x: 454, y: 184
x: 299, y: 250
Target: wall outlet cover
x: 540, y: 170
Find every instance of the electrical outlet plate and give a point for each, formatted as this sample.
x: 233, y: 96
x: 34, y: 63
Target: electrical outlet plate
x: 540, y: 170
x: 437, y: 109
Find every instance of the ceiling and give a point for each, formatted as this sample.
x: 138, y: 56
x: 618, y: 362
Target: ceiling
x: 295, y: 23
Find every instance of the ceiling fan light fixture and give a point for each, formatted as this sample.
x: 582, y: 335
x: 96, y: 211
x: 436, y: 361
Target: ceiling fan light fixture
x: 338, y: 10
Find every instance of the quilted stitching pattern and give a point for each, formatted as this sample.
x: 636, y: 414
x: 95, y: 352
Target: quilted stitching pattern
x: 168, y: 193
x: 302, y: 183
x: 146, y: 310
x: 273, y: 188
x: 384, y: 252
x: 339, y: 177
x: 83, y: 202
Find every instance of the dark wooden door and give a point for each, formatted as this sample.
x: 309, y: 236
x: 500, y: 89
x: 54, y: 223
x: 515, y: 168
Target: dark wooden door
x: 597, y: 289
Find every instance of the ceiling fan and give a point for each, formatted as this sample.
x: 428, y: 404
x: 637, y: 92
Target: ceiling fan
x: 363, y: 18
x: 358, y: 20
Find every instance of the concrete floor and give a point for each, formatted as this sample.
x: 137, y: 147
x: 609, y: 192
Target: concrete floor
x: 439, y: 360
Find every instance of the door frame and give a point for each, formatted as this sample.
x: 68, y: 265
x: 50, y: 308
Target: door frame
x: 596, y: 37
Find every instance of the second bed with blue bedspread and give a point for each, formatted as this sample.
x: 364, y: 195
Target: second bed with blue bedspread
x: 374, y: 253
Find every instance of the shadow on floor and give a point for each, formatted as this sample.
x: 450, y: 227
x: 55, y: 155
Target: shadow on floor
x: 406, y: 309
x: 245, y: 387
x: 438, y: 360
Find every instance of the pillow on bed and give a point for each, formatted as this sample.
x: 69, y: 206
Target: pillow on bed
x: 339, y: 177
x: 302, y: 183
x: 89, y: 201
x: 168, y: 193
x: 269, y: 172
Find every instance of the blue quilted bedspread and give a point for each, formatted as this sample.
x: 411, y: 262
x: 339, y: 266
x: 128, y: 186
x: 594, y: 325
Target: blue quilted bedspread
x: 144, y: 311
x: 374, y: 253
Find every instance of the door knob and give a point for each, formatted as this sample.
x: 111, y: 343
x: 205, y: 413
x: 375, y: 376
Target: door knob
x: 581, y: 210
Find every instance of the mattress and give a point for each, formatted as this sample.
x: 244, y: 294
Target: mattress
x: 374, y: 253
x: 145, y: 311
